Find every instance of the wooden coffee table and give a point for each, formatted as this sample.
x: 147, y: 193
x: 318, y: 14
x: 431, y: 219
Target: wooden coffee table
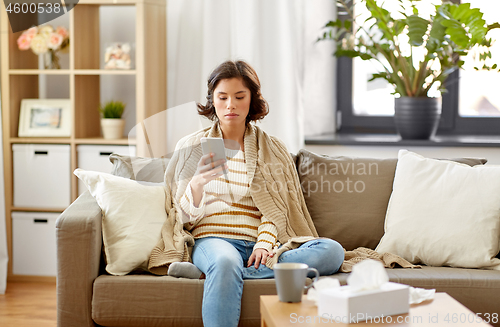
x: 442, y: 311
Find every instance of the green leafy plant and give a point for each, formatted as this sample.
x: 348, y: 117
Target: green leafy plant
x: 434, y: 45
x: 112, y: 109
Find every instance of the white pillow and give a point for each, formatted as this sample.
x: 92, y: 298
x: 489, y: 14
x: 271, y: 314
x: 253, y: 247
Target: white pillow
x: 133, y: 214
x: 443, y: 213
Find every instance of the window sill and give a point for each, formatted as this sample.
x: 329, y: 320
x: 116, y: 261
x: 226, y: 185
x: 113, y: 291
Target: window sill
x: 395, y: 140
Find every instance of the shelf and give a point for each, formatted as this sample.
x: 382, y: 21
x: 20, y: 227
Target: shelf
x: 108, y: 2
x: 41, y: 140
x: 39, y: 71
x: 29, y: 209
x: 104, y: 72
x: 86, y: 84
x: 59, y: 140
x: 71, y: 71
x: 104, y: 141
x: 119, y: 2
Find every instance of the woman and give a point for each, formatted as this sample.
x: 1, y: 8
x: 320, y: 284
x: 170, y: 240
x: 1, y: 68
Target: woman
x: 237, y: 230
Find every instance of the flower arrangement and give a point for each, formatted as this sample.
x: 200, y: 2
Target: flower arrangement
x: 45, y: 40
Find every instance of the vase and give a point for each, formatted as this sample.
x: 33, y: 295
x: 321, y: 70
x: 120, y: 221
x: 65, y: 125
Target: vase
x: 51, y: 60
x: 112, y: 128
x: 417, y: 118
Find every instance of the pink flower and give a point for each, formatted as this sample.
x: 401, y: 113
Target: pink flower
x: 31, y: 31
x: 24, y: 41
x: 54, y: 41
x: 61, y: 30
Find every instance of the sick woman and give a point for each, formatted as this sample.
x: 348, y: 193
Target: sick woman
x: 251, y: 217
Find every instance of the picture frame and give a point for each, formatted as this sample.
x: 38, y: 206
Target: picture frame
x: 45, y: 118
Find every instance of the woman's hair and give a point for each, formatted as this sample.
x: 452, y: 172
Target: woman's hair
x: 235, y: 69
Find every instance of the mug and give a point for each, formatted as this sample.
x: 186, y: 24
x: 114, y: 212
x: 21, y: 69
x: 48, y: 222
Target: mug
x: 290, y: 280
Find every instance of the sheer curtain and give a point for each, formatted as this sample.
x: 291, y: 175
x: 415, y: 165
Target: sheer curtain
x: 277, y: 38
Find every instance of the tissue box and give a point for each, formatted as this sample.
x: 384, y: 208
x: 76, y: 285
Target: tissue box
x: 343, y: 305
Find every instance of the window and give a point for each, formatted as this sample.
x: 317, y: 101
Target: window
x: 481, y: 87
x: 471, y: 106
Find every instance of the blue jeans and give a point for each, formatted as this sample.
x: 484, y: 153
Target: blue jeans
x: 224, y: 262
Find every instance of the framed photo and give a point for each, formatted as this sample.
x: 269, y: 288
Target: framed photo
x: 45, y: 117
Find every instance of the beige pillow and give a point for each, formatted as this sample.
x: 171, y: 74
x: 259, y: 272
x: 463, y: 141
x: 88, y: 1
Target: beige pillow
x: 133, y: 214
x: 443, y: 213
x: 351, y: 206
x: 138, y: 168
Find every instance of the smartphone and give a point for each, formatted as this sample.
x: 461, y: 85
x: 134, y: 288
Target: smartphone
x: 215, y: 145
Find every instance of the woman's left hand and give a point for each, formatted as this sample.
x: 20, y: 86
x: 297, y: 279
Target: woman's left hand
x: 259, y: 256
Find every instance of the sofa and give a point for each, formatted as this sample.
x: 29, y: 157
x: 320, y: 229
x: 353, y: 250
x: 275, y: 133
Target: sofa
x: 87, y: 295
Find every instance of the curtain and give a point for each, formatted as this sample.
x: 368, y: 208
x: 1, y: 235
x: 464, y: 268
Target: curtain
x: 277, y: 38
x: 4, y: 255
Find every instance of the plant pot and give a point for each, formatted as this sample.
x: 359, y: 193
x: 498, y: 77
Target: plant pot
x: 112, y: 128
x: 417, y: 118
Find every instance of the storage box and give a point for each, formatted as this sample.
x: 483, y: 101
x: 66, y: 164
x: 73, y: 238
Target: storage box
x: 34, y: 243
x: 96, y: 158
x: 41, y: 175
x: 343, y: 305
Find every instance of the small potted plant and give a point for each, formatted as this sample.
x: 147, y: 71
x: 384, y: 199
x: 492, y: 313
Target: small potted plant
x: 111, y: 122
x: 416, y: 52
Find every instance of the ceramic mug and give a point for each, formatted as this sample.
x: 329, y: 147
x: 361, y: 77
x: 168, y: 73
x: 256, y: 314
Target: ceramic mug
x: 290, y: 280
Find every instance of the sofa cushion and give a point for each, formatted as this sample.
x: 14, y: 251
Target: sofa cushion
x: 138, y: 168
x: 147, y: 300
x: 133, y: 214
x: 144, y: 169
x: 443, y: 213
x: 347, y: 197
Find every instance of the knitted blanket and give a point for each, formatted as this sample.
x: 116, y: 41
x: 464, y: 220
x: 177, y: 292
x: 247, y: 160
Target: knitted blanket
x: 275, y: 190
x: 388, y: 259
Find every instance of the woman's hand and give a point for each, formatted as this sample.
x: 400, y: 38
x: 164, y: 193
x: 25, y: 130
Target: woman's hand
x: 205, y: 173
x: 259, y: 256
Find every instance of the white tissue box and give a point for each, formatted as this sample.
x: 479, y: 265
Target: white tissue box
x: 343, y: 305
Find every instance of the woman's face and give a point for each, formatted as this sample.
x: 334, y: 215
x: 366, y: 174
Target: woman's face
x: 232, y: 102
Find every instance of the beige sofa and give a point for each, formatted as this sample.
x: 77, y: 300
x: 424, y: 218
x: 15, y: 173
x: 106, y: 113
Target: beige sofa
x: 88, y: 296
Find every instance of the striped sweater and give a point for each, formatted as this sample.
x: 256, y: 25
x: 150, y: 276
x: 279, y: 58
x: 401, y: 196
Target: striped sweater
x: 227, y: 209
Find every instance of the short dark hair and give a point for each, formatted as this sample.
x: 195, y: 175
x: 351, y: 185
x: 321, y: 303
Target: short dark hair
x: 235, y: 69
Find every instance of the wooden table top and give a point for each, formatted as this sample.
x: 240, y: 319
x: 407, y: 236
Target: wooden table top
x: 442, y: 311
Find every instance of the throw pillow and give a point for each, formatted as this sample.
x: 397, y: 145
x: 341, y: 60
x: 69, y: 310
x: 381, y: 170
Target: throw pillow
x: 138, y: 168
x: 443, y: 213
x: 133, y: 214
x: 347, y: 197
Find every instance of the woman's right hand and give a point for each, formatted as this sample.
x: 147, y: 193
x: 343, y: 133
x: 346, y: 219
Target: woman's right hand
x: 206, y: 172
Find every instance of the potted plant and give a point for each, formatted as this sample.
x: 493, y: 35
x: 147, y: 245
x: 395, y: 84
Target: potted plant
x: 111, y: 122
x: 417, y: 52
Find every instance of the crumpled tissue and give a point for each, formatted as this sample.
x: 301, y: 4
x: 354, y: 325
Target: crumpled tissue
x: 419, y: 295
x: 367, y: 275
x: 322, y: 284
